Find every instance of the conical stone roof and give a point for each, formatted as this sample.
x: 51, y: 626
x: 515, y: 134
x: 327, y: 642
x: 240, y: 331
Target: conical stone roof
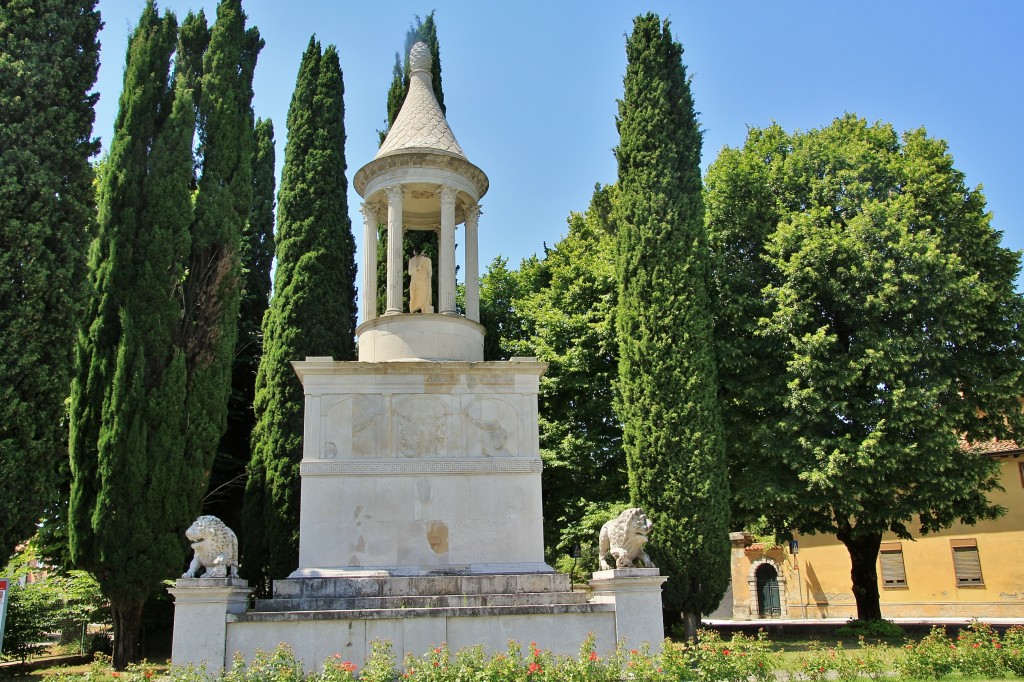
x: 420, y: 125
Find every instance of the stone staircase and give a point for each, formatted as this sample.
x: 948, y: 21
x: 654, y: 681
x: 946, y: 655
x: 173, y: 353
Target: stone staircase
x: 420, y: 596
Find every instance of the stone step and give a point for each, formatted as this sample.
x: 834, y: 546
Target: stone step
x: 446, y: 612
x: 420, y: 601
x: 421, y: 586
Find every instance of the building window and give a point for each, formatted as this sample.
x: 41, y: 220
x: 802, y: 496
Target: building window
x: 1020, y: 467
x: 966, y: 563
x: 893, y: 572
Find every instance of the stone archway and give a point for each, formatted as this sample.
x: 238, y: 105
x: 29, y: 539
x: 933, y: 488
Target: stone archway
x: 752, y: 588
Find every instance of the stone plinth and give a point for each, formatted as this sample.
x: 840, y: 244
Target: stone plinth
x: 420, y: 336
x: 320, y: 617
x: 636, y: 596
x: 412, y: 468
x: 201, y: 608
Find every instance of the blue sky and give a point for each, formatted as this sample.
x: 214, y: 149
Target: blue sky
x: 531, y: 87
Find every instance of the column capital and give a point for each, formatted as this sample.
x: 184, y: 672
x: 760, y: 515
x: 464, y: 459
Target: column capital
x: 395, y: 192
x: 473, y: 213
x: 374, y: 211
x: 448, y: 195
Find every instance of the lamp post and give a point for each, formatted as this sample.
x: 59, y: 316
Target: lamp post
x: 794, y: 549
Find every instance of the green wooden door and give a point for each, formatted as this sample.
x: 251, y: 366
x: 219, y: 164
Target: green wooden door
x: 768, y: 602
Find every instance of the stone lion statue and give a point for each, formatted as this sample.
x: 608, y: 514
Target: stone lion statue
x: 216, y: 549
x: 623, y: 537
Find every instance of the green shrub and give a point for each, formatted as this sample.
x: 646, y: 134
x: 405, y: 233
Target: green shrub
x: 870, y: 629
x: 931, y: 658
x: 1013, y: 650
x: 979, y: 652
x: 712, y: 659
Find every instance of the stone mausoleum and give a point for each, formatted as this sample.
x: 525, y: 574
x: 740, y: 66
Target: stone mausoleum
x: 420, y: 513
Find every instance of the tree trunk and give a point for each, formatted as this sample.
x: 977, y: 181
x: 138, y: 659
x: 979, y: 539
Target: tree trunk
x: 691, y: 621
x: 863, y: 551
x: 127, y: 616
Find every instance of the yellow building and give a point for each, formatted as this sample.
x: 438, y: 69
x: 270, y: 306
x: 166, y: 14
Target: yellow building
x: 965, y: 571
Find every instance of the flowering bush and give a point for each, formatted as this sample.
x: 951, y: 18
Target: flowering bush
x: 336, y: 669
x: 872, y: 660
x: 712, y: 659
x: 978, y: 652
x: 932, y: 657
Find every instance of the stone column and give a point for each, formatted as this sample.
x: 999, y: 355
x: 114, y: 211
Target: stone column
x: 396, y: 267
x: 201, y: 607
x: 636, y: 594
x: 446, y: 253
x: 371, y: 217
x: 472, y: 264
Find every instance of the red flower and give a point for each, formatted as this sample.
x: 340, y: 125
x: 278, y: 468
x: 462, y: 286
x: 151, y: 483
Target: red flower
x: 634, y: 652
x: 725, y: 652
x: 977, y: 644
x: 534, y: 668
x: 593, y: 655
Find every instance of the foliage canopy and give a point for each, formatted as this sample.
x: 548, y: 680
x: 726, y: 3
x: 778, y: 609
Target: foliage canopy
x: 867, y: 329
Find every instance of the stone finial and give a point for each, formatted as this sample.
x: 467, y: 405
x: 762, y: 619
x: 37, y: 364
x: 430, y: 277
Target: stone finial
x: 623, y: 537
x: 420, y: 58
x: 216, y: 549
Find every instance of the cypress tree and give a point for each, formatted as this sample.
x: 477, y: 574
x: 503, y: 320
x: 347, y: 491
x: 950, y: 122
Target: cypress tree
x: 312, y: 311
x: 127, y: 509
x: 667, y: 402
x: 414, y: 241
x: 47, y: 216
x: 212, y: 288
x: 226, y: 494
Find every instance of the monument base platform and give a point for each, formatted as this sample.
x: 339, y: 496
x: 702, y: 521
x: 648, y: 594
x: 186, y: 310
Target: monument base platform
x: 321, y: 617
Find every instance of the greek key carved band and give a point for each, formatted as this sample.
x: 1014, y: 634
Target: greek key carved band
x: 436, y: 466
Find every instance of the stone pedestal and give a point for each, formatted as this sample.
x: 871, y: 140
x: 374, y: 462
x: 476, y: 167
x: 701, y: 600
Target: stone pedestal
x: 201, y: 608
x: 636, y: 594
x: 415, y: 468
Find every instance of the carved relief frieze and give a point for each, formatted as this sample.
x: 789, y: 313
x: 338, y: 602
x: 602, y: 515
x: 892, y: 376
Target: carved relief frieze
x: 421, y: 425
x: 492, y: 428
x: 353, y: 426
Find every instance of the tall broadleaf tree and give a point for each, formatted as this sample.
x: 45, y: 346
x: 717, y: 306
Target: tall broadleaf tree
x: 130, y: 479
x: 227, y: 486
x: 875, y: 287
x: 50, y: 56
x: 667, y: 403
x: 570, y: 318
x: 414, y: 241
x: 312, y: 312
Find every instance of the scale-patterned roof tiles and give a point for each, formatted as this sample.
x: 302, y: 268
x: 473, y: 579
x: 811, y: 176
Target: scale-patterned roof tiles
x: 420, y: 124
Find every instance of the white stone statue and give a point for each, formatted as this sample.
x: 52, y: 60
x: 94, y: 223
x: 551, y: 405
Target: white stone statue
x: 623, y: 537
x: 420, y: 272
x: 216, y: 549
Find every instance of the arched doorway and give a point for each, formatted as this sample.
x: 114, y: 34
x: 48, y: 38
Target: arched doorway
x: 768, y: 602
